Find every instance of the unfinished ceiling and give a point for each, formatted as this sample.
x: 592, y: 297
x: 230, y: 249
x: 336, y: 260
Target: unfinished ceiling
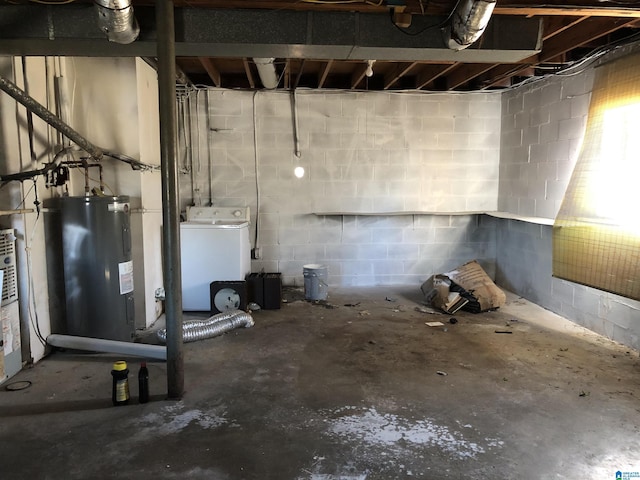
x: 331, y: 44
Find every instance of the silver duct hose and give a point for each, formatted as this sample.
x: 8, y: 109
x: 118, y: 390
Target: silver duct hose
x: 469, y: 21
x: 117, y: 21
x: 194, y: 330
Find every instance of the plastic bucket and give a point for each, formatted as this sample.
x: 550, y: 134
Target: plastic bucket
x: 315, y: 282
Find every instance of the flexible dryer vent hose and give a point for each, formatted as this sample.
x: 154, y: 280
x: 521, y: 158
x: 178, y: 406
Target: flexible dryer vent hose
x: 194, y: 330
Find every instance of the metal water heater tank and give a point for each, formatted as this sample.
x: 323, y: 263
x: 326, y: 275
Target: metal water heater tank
x: 98, y: 271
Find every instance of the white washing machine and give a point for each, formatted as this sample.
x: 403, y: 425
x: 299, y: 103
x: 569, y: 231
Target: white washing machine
x: 214, y: 246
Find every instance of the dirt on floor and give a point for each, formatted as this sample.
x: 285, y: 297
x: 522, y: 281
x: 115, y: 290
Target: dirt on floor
x: 361, y: 386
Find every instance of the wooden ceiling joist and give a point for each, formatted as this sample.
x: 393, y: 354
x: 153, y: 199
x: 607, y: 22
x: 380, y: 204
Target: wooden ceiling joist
x: 595, y: 11
x: 286, y: 74
x: 429, y: 73
x: 465, y: 72
x: 583, y: 33
x: 556, y: 25
x: 397, y: 73
x: 359, y: 73
x: 299, y: 75
x: 248, y: 73
x: 212, y: 70
x: 324, y: 71
x: 499, y: 73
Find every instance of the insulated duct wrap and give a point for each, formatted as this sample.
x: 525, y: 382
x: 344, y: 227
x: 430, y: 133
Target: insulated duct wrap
x: 117, y: 21
x: 469, y: 22
x: 194, y: 330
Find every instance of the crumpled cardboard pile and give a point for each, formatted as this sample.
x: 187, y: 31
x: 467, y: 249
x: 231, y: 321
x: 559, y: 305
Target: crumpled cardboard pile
x: 467, y: 287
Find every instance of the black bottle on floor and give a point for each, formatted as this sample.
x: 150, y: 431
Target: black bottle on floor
x: 143, y: 383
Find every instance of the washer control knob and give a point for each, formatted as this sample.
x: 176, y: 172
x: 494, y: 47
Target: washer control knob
x: 237, y: 213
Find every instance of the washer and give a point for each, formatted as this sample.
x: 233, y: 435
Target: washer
x: 214, y: 246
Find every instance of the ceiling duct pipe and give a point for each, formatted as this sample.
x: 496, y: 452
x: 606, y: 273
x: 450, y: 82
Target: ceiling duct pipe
x: 267, y: 72
x: 469, y: 21
x: 117, y: 21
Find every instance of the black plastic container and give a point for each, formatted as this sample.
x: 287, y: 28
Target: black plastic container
x: 120, y: 390
x: 265, y: 289
x: 143, y: 383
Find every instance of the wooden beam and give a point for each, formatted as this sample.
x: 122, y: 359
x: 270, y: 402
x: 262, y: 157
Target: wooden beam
x: 499, y: 73
x: 212, y: 71
x: 583, y: 33
x: 515, y: 7
x: 567, y: 11
x: 286, y: 74
x: 556, y: 25
x: 357, y: 75
x: 323, y: 73
x: 398, y: 71
x: 430, y: 73
x: 247, y: 71
x: 297, y: 5
x: 300, y: 69
x: 466, y: 72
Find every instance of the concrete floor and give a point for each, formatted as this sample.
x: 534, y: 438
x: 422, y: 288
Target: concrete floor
x: 351, y: 392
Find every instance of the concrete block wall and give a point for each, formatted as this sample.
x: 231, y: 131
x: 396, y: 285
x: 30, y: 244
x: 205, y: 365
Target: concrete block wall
x: 523, y: 266
x: 363, y: 153
x: 542, y: 129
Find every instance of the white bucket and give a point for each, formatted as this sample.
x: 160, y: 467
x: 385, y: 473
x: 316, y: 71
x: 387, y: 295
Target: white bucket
x: 315, y: 282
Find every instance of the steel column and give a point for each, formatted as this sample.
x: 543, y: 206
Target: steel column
x: 170, y: 202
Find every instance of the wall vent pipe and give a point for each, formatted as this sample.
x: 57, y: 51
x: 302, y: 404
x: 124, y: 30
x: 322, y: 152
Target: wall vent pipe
x: 267, y: 72
x: 108, y: 346
x: 117, y: 21
x: 469, y: 21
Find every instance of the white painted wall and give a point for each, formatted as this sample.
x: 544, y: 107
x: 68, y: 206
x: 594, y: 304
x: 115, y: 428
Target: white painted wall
x: 542, y: 129
x: 148, y: 308
x: 363, y: 152
x: 15, y: 156
x: 114, y: 104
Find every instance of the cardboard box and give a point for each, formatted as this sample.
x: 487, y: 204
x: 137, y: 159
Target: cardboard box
x: 467, y: 287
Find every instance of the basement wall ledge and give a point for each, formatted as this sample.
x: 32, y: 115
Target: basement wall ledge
x: 505, y: 215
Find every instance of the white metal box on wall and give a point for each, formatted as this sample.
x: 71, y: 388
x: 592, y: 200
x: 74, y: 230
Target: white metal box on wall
x: 10, y: 353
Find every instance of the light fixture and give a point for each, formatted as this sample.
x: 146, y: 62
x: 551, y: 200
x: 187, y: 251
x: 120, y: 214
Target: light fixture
x: 369, y: 71
x: 299, y: 172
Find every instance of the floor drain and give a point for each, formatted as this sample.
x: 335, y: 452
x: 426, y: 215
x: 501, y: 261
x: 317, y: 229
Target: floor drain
x: 15, y: 386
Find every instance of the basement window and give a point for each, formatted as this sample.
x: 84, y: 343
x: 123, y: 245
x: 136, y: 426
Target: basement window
x: 596, y: 235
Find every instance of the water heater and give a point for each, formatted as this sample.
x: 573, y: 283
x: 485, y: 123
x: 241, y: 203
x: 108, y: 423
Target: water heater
x: 98, y: 271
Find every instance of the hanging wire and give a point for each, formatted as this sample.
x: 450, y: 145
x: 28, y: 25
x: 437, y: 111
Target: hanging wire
x: 428, y: 27
x: 31, y: 298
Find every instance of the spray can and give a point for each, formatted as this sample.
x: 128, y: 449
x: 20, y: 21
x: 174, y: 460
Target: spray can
x: 120, y: 390
x: 143, y: 383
